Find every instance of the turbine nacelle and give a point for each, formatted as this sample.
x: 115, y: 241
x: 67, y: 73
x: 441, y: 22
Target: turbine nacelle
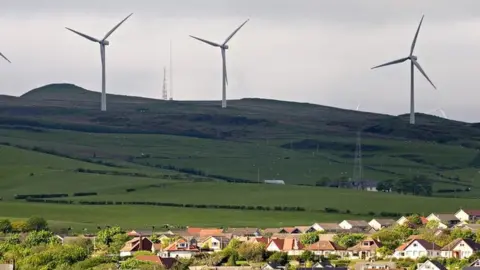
x: 105, y: 42
x: 225, y: 47
x: 413, y: 57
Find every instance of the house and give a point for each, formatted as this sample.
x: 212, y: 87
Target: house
x: 215, y: 243
x: 329, y: 268
x: 241, y: 232
x: 291, y: 246
x: 304, y: 229
x: 445, y: 220
x: 325, y: 248
x: 270, y: 231
x: 326, y: 227
x: 72, y: 239
x: 6, y: 266
x: 378, y: 224
x: 417, y: 248
x: 137, y: 233
x: 475, y: 265
x: 136, y: 244
x: 365, y: 249
x: 273, y: 266
x: 404, y: 221
x: 291, y: 230
x: 354, y: 224
x: 275, y: 182
x: 322, y: 264
x: 375, y: 265
x: 467, y: 226
x: 430, y: 265
x: 166, y: 263
x: 460, y: 249
x: 468, y: 215
x: 182, y: 248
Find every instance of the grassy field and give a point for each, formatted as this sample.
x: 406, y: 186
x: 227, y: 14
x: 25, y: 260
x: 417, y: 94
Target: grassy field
x: 254, y: 160
x: 310, y: 198
x: 184, y: 152
x: 143, y: 217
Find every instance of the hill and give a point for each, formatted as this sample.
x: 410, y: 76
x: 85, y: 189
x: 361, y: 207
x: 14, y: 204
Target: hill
x: 251, y: 139
x: 54, y: 139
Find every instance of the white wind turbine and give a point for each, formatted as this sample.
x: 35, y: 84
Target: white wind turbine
x: 440, y: 111
x: 223, y: 48
x: 413, y: 64
x: 103, y: 42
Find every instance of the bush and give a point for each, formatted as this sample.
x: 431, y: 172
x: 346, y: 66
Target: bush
x: 78, y: 194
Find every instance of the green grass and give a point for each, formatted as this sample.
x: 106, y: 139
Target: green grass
x: 311, y: 198
x: 252, y: 159
x: 253, y: 139
x: 27, y: 172
x: 130, y: 217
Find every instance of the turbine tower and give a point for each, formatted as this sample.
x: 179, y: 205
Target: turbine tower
x: 164, y: 88
x: 103, y: 42
x: 223, y: 48
x: 413, y: 63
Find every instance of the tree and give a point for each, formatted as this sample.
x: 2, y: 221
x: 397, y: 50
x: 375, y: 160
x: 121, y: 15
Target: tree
x: 232, y: 260
x: 415, y: 219
x: 36, y: 238
x: 19, y: 226
x: 105, y: 236
x: 348, y: 239
x: 307, y: 256
x: 278, y: 257
x: 37, y: 224
x: 309, y: 238
x: 432, y: 224
x: 5, y: 226
x: 253, y: 252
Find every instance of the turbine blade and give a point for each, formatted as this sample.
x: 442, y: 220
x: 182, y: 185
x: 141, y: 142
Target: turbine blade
x: 206, y: 41
x: 83, y: 35
x: 392, y: 62
x: 234, y: 32
x: 443, y: 114
x: 116, y: 26
x: 4, y: 57
x: 423, y: 72
x: 224, y: 60
x: 416, y: 36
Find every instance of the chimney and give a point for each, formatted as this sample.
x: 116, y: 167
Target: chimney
x: 140, y: 245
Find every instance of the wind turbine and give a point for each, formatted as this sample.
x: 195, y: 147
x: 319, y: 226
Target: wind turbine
x: 439, y: 110
x: 4, y: 57
x: 103, y: 42
x: 223, y: 48
x: 413, y: 63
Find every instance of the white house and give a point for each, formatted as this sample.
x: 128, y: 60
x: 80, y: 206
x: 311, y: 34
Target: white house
x: 215, y: 243
x: 378, y: 224
x: 354, y: 224
x: 430, y: 265
x: 468, y: 215
x: 402, y: 221
x: 291, y: 246
x: 460, y: 249
x: 417, y: 248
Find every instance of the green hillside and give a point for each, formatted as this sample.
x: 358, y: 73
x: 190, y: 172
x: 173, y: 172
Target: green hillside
x: 54, y: 139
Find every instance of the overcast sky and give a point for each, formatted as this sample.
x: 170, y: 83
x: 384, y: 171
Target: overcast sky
x: 300, y: 50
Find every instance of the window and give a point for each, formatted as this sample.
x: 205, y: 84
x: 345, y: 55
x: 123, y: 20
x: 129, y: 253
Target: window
x: 415, y: 244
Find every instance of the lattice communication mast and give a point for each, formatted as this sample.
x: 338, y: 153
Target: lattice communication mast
x: 164, y: 89
x: 358, y: 167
